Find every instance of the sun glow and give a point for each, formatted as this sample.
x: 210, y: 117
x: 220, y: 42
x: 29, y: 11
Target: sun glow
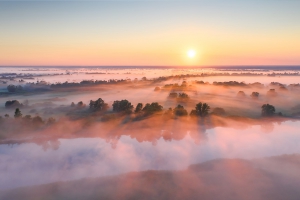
x: 191, y: 53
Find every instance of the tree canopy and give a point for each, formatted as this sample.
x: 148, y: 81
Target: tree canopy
x: 267, y: 110
x: 98, y: 105
x: 123, y: 105
x: 201, y: 110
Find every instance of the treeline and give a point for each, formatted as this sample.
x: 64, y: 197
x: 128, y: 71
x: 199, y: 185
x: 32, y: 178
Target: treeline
x: 126, y: 107
x: 20, y: 123
x: 44, y: 86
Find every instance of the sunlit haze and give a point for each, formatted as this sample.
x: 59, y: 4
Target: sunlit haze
x: 150, y: 99
x: 149, y: 33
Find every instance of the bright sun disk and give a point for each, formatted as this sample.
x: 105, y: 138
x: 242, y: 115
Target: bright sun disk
x: 191, y: 53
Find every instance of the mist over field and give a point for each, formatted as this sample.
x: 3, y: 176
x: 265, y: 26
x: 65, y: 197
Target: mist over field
x: 173, y: 99
x: 93, y: 132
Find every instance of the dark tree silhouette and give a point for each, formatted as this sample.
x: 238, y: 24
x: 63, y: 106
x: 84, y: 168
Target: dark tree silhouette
x: 37, y: 121
x: 156, y: 88
x: 138, y: 108
x: 123, y: 105
x: 27, y: 118
x: 183, y: 96
x: 13, y: 104
x: 267, y: 110
x: 173, y: 95
x: 6, y: 115
x: 218, y: 111
x: 153, y: 107
x: 12, y: 88
x: 241, y: 94
x: 72, y: 104
x: 18, y: 113
x: 51, y: 121
x: 98, y: 105
x: 254, y: 95
x: 272, y: 93
x: 180, y: 111
x: 80, y: 104
x: 201, y: 110
x: 169, y: 111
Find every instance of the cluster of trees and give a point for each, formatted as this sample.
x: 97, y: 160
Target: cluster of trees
x: 13, y: 104
x: 80, y: 104
x: 29, y: 121
x: 13, y: 88
x: 179, y: 96
x: 268, y: 110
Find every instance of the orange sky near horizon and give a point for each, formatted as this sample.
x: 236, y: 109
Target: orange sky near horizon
x: 67, y: 39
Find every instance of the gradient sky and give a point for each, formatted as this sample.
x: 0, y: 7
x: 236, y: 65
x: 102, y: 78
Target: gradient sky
x: 148, y: 33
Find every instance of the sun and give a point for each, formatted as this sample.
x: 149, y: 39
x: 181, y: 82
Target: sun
x: 191, y: 53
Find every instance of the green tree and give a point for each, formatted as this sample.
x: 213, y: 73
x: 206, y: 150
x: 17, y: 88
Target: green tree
x: 123, y: 105
x: 201, y: 110
x: 98, y: 105
x: 267, y: 110
x: 153, y: 107
x: 180, y: 111
x: 18, y: 113
x: 138, y: 107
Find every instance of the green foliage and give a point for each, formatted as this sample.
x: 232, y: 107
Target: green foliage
x: 267, y: 110
x: 201, y: 110
x: 98, y: 105
x: 153, y: 107
x: 255, y: 95
x: 18, y: 113
x: 173, y: 95
x: 180, y: 111
x: 183, y: 96
x: 138, y: 108
x: 13, y: 104
x: 13, y: 88
x: 218, y: 111
x: 122, y: 106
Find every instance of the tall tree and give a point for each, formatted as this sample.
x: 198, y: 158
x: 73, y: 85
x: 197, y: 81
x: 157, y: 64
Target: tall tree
x: 201, y: 110
x: 18, y: 113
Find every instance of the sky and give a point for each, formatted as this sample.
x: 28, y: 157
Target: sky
x: 149, y: 33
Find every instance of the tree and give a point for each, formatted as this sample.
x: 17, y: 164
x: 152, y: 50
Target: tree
x: 156, y: 88
x: 201, y: 110
x: 138, y: 107
x: 272, y: 93
x: 180, y: 111
x: 72, y: 104
x: 173, y: 95
x: 80, y: 104
x: 37, y: 121
x: 98, y: 105
x: 267, y: 110
x: 13, y: 104
x: 18, y: 113
x: 183, y: 96
x: 51, y: 121
x: 254, y: 95
x: 153, y: 107
x: 218, y: 111
x: 241, y: 94
x: 122, y: 106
